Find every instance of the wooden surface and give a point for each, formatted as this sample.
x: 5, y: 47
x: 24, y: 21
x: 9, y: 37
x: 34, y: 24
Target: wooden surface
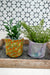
x: 48, y: 45
x: 24, y: 63
x: 26, y: 41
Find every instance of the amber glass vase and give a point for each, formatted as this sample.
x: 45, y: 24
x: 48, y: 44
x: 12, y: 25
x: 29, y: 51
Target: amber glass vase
x: 14, y: 48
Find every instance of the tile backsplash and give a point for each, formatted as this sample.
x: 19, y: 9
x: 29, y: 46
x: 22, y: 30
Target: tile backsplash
x: 30, y: 11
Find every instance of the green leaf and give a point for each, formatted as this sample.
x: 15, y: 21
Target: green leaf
x: 36, y: 33
x: 10, y: 35
x: 17, y: 35
x: 11, y: 21
x: 6, y: 27
x: 13, y: 35
x: 42, y: 22
x: 5, y: 22
x: 13, y: 31
x: 18, y: 24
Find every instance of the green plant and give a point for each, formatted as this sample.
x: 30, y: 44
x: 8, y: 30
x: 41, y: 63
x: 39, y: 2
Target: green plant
x: 37, y: 33
x: 13, y: 31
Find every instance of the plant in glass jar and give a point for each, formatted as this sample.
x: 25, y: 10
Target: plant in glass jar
x: 14, y: 46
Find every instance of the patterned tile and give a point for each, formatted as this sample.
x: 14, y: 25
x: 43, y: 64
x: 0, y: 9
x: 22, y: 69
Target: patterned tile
x: 30, y: 11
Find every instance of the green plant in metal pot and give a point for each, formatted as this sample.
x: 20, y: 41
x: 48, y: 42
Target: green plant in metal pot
x: 14, y: 46
x: 38, y: 37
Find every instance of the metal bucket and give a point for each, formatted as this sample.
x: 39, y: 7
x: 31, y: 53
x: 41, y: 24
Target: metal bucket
x: 36, y: 50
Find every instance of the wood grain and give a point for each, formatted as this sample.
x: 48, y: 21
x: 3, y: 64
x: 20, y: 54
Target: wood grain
x: 48, y: 45
x: 26, y: 42
x: 24, y: 63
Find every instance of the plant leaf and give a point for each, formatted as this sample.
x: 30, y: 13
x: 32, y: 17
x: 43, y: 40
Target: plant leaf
x: 11, y: 21
x: 42, y: 22
x: 6, y: 27
x: 37, y: 33
x: 5, y: 22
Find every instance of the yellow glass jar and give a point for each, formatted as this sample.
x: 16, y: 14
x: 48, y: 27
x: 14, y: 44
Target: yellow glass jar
x: 14, y: 48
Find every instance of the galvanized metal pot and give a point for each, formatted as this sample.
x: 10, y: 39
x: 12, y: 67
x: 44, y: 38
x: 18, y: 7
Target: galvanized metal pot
x: 36, y: 50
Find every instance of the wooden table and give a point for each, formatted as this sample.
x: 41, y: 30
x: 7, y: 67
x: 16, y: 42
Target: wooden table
x: 24, y: 61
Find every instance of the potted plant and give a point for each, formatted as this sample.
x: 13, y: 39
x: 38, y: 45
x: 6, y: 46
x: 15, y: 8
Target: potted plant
x: 38, y: 37
x: 14, y: 46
